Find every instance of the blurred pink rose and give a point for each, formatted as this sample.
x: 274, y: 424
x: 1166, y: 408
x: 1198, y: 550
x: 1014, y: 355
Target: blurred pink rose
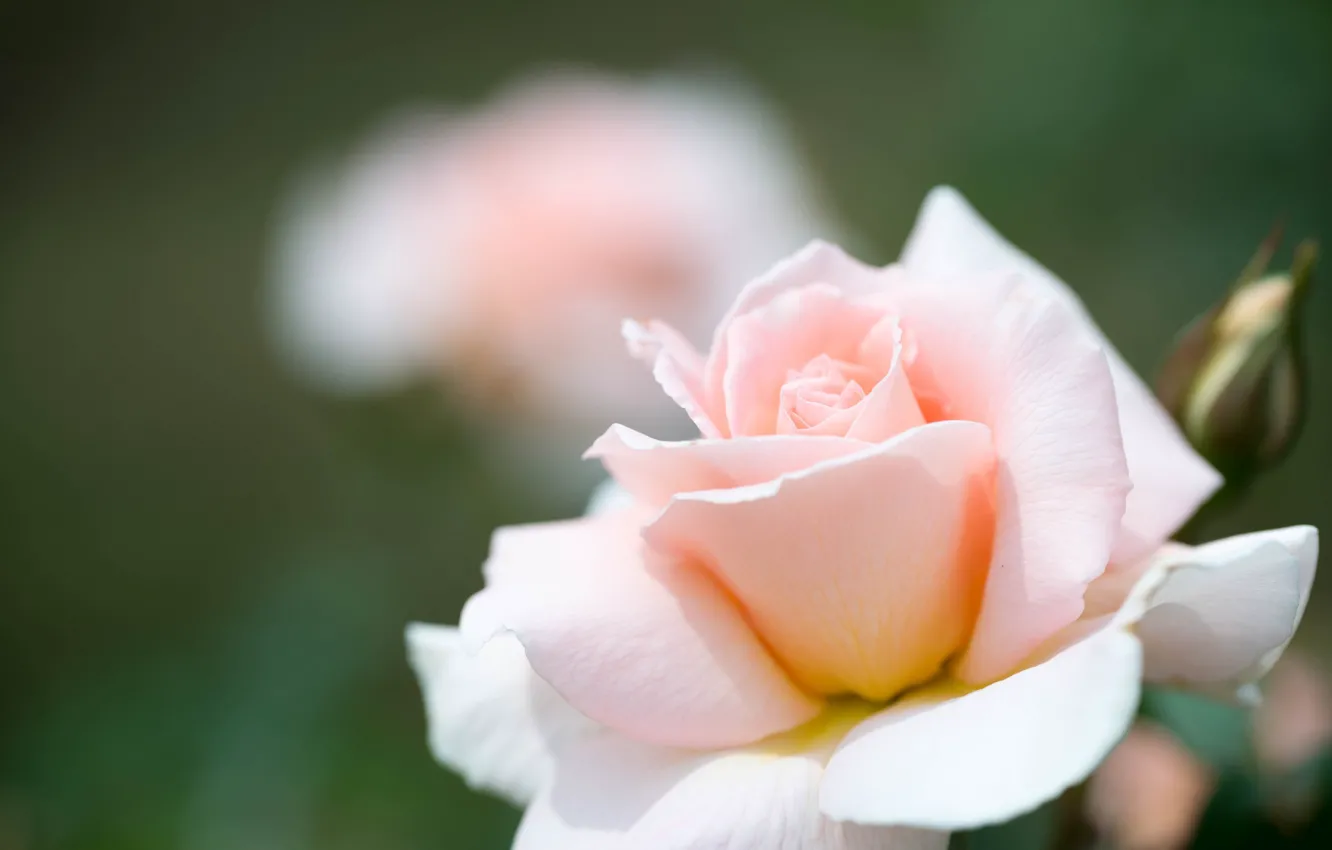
x: 1291, y: 727
x: 501, y: 247
x: 908, y: 580
x: 1150, y: 793
x: 1294, y: 722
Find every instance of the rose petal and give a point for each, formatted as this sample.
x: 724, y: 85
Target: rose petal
x: 764, y: 345
x: 861, y: 573
x: 943, y: 761
x: 613, y: 794
x: 817, y: 262
x: 1170, y: 479
x: 1019, y: 361
x: 891, y: 407
x: 1218, y: 616
x: 489, y: 717
x: 653, y: 649
x: 654, y: 471
x: 678, y: 368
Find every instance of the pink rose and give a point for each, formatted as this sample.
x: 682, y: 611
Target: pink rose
x: 1294, y: 722
x: 499, y: 248
x: 908, y: 580
x: 1150, y: 793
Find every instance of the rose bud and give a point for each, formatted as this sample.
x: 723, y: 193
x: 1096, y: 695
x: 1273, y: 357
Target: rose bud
x: 1235, y: 381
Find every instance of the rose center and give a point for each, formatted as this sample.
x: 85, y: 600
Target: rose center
x: 819, y: 397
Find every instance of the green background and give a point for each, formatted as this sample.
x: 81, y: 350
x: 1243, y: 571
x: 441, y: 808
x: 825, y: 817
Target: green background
x: 205, y: 570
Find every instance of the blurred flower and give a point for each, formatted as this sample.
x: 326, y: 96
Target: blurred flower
x: 500, y: 248
x: 1235, y: 381
x: 1294, y: 722
x: 1150, y: 793
x: 1292, y: 730
x: 881, y: 597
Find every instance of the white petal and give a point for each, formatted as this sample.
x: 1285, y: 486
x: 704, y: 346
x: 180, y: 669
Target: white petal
x: 649, y: 645
x: 943, y: 761
x: 1219, y: 615
x: 614, y: 794
x: 1170, y: 479
x: 490, y: 718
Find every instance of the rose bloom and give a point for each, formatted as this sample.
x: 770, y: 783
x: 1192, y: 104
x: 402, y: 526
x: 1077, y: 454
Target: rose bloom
x: 908, y: 580
x: 1294, y: 722
x: 1150, y: 793
x: 499, y: 248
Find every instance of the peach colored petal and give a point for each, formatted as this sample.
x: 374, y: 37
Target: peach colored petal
x: 654, y: 471
x: 817, y: 262
x: 823, y: 398
x: 1170, y: 480
x: 891, y: 407
x: 765, y: 345
x: 652, y: 648
x: 861, y: 573
x: 1020, y: 362
x: 829, y: 396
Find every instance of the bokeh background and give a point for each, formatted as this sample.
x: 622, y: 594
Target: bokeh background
x: 205, y: 568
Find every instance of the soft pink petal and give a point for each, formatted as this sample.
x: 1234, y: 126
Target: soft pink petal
x: 765, y: 345
x: 861, y: 573
x: 940, y: 760
x: 817, y: 262
x: 891, y: 407
x: 654, y: 471
x: 1170, y: 479
x: 678, y: 368
x: 651, y: 647
x: 614, y: 794
x: 1020, y: 362
x: 490, y: 717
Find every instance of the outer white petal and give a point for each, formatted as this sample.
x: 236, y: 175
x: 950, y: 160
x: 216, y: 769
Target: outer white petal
x: 489, y: 717
x: 1170, y: 479
x: 613, y: 794
x: 1218, y: 616
x: 943, y: 761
